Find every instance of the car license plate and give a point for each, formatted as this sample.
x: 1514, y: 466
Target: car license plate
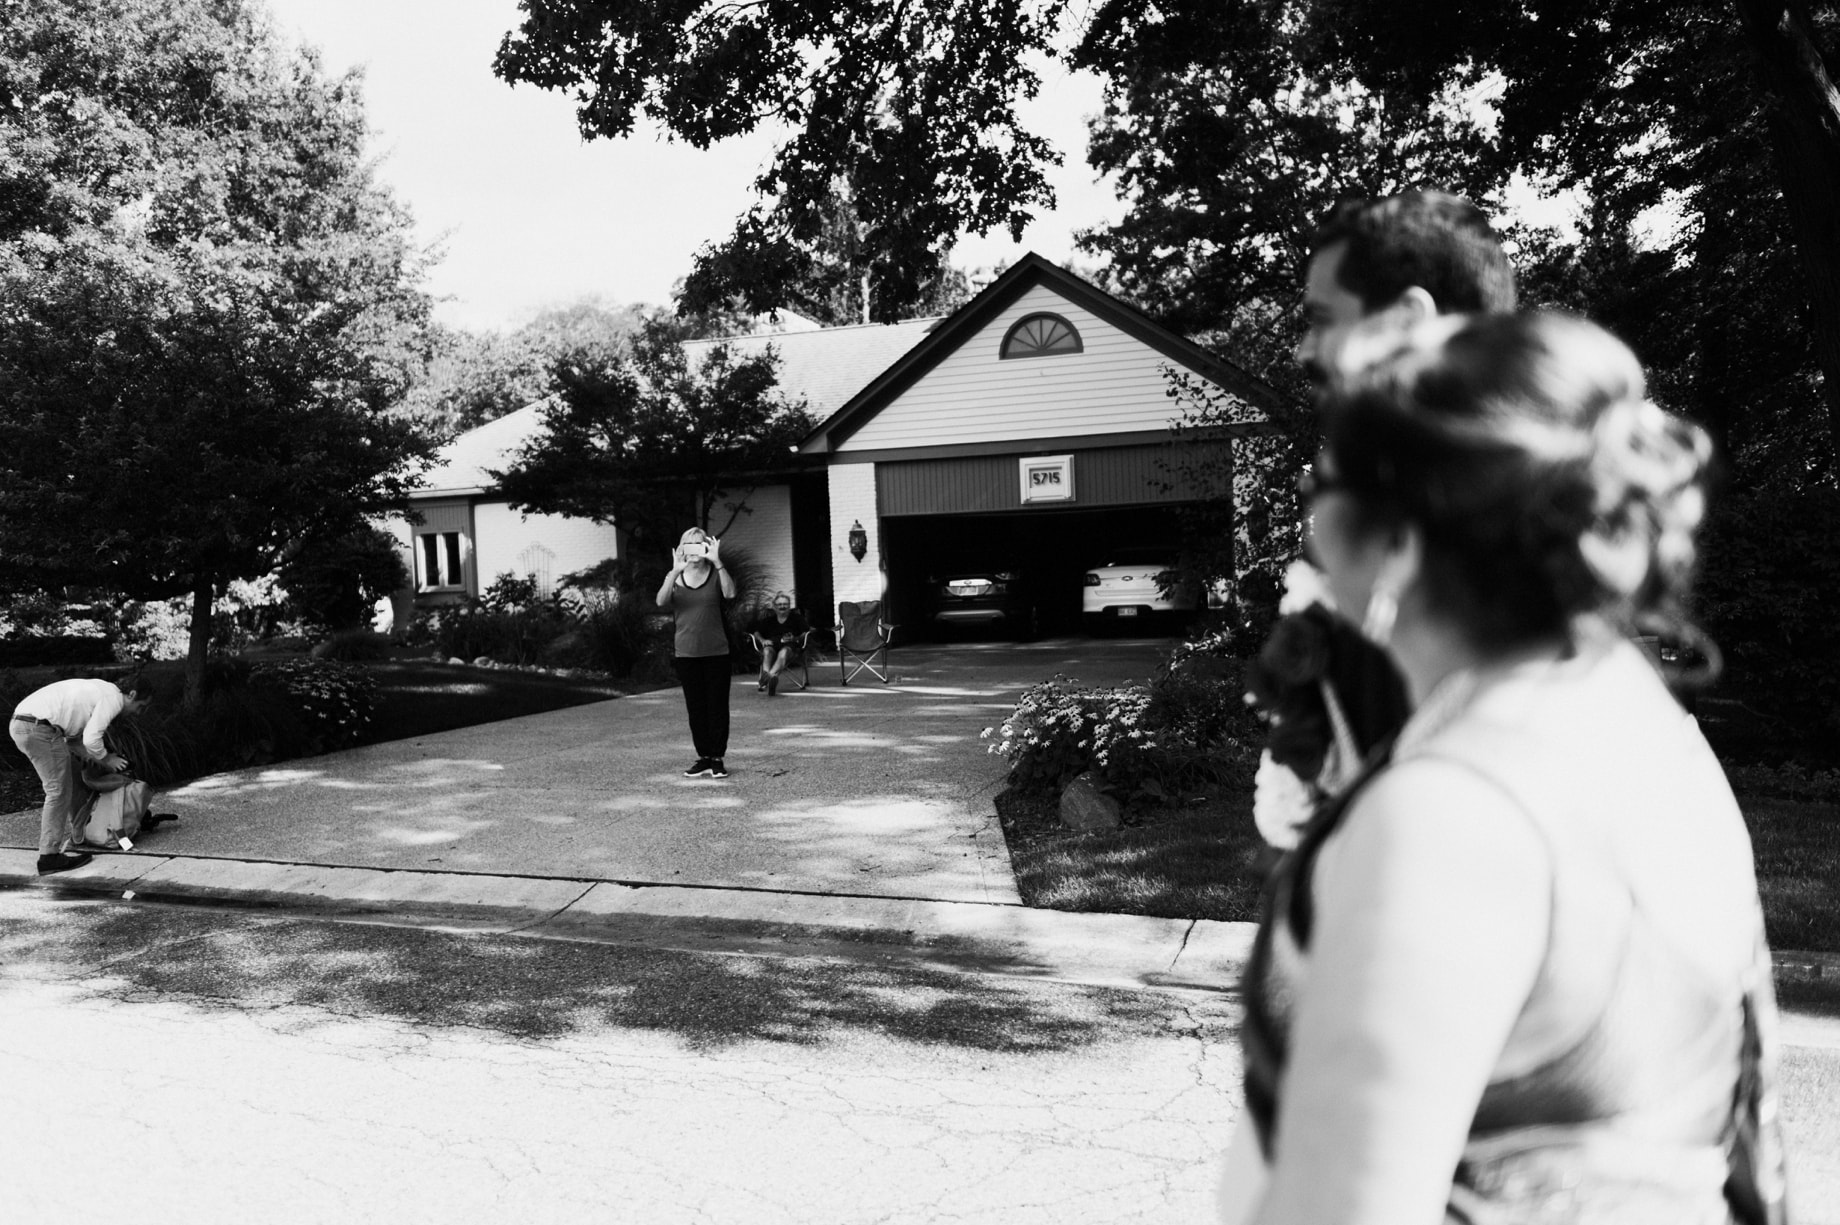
x: 1127, y: 612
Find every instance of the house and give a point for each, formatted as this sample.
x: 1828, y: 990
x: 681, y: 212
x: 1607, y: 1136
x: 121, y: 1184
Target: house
x: 1031, y: 425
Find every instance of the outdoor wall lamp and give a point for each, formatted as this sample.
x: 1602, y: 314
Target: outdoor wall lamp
x: 859, y: 540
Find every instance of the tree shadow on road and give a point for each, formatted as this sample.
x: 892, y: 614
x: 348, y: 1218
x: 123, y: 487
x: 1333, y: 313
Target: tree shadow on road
x: 541, y: 989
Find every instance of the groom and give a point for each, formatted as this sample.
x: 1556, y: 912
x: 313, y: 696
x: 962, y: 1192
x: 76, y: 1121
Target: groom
x: 1395, y: 261
x: 1376, y: 269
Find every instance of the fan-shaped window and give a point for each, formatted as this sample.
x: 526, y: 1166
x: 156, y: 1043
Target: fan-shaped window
x: 1041, y: 336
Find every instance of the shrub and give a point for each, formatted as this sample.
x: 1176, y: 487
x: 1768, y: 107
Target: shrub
x: 1766, y: 594
x: 232, y: 726
x: 246, y: 612
x: 335, y: 700
x: 511, y: 623
x: 248, y: 714
x: 619, y: 630
x: 334, y: 582
x: 55, y: 649
x: 1141, y: 743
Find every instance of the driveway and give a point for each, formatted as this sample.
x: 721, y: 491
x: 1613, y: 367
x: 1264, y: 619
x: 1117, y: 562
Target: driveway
x: 870, y: 789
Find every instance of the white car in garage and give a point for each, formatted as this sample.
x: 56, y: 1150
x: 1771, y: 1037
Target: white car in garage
x: 1124, y: 588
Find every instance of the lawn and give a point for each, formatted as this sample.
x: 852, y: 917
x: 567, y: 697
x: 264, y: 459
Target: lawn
x: 417, y: 697
x: 1204, y: 860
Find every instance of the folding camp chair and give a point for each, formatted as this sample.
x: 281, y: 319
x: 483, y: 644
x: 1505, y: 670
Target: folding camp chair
x: 862, y: 643
x: 798, y: 664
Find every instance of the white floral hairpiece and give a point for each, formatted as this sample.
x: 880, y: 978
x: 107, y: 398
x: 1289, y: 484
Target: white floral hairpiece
x: 1304, y: 585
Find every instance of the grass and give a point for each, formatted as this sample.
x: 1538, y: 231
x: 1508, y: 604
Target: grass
x: 418, y: 697
x: 1797, y: 845
x: 1200, y: 858
x: 1204, y: 860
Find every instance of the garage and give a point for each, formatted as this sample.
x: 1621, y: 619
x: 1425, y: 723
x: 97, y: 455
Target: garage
x: 975, y: 481
x: 1048, y: 550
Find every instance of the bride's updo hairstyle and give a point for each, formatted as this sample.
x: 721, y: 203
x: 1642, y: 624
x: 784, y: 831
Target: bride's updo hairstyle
x: 1546, y: 483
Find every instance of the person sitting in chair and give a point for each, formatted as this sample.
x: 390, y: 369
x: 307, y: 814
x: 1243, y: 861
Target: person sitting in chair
x: 781, y: 634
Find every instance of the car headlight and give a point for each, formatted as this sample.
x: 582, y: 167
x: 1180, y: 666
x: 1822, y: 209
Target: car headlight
x: 1092, y: 580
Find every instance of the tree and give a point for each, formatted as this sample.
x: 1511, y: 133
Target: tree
x: 641, y: 441
x: 1229, y: 145
x: 911, y: 107
x: 472, y: 377
x: 914, y: 106
x: 828, y: 270
x: 1653, y: 103
x: 207, y: 304
x: 333, y: 582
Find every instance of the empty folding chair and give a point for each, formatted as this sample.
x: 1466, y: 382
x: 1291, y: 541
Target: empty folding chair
x: 862, y: 642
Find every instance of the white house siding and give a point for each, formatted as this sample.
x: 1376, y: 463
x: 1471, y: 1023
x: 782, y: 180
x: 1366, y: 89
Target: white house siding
x: 547, y: 546
x: 764, y: 530
x: 1114, y: 385
x: 852, y: 489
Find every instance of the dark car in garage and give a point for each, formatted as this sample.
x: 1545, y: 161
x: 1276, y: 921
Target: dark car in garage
x: 997, y: 600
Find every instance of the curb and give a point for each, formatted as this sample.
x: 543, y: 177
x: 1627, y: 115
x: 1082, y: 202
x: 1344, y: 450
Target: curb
x: 1094, y: 949
x: 1123, y: 951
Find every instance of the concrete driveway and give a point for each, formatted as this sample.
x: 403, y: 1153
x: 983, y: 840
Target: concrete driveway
x: 870, y: 789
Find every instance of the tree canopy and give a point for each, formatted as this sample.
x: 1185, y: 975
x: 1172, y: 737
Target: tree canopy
x: 907, y: 109
x: 473, y: 377
x: 207, y: 304
x: 640, y: 440
x: 1235, y: 123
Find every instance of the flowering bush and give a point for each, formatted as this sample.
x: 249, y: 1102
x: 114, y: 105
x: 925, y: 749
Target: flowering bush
x: 334, y: 700
x: 1139, y: 742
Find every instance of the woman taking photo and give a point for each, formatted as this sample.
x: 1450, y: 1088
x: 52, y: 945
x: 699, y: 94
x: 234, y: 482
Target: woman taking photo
x: 694, y: 591
x: 1516, y: 971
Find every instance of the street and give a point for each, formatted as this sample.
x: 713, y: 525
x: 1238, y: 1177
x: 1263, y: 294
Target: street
x: 169, y: 1064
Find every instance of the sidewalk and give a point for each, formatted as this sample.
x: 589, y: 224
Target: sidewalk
x: 859, y: 818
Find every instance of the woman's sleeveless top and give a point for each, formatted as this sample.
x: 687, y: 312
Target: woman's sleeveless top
x: 1615, y: 1099
x: 699, y: 630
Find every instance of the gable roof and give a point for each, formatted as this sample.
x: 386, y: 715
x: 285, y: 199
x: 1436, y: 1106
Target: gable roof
x: 461, y: 466
x: 1032, y: 270
x: 829, y: 366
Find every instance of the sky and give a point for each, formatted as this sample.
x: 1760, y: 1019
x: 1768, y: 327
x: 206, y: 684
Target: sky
x: 529, y: 215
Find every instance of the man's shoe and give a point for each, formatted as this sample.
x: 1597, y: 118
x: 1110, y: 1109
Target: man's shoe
x: 61, y: 861
x: 154, y: 820
x: 763, y: 685
x: 698, y: 768
x: 773, y: 685
x: 717, y: 769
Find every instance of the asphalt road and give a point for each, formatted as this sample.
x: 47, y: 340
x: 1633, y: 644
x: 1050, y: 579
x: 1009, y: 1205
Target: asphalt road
x: 166, y: 1064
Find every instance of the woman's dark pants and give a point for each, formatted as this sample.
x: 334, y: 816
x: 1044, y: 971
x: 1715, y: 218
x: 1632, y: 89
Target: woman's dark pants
x: 705, y: 681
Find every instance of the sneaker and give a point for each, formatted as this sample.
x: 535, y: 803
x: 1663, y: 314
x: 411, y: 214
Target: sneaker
x: 698, y: 768
x: 773, y: 685
x: 717, y: 769
x: 61, y: 861
x: 762, y: 686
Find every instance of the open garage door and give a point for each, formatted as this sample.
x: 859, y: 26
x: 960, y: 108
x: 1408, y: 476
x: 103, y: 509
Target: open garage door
x: 1050, y: 551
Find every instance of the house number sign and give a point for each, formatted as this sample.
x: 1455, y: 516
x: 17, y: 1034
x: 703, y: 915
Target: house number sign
x: 1047, y: 478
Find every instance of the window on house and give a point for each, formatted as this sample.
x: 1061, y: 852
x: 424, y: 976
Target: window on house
x: 1041, y: 336
x: 439, y: 559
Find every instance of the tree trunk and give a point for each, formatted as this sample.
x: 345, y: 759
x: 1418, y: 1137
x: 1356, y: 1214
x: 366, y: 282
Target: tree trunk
x: 1805, y: 140
x: 203, y: 597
